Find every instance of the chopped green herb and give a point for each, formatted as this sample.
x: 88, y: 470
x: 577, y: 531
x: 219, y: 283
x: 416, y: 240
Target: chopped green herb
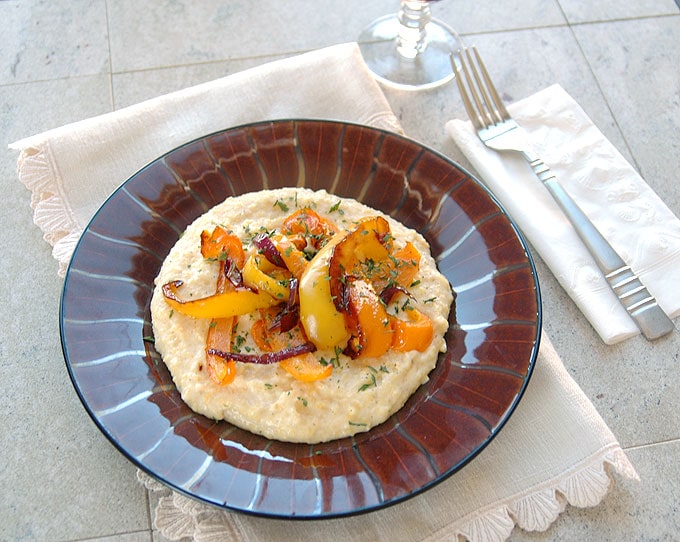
x: 148, y: 339
x: 281, y: 205
x: 373, y: 382
x: 336, y: 207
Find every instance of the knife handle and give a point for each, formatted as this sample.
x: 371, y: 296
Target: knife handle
x: 632, y: 293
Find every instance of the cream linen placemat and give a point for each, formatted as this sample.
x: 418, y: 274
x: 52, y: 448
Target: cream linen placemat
x: 555, y: 450
x: 632, y: 217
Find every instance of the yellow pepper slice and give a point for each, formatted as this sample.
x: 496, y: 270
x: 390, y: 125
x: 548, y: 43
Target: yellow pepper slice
x: 255, y: 277
x: 220, y: 305
x: 323, y: 324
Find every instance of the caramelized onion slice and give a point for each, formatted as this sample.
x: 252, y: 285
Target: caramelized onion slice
x: 268, y: 249
x: 388, y: 293
x: 266, y: 358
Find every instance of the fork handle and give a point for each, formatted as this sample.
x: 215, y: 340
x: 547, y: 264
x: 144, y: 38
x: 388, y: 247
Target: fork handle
x: 633, y: 294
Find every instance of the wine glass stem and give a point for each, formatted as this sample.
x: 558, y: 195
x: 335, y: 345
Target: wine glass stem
x: 413, y: 18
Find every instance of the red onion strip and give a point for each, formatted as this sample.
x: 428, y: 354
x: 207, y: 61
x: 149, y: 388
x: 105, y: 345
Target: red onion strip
x: 266, y: 358
x: 268, y: 248
x: 388, y: 293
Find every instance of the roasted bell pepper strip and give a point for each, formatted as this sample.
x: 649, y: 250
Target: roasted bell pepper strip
x: 416, y: 333
x: 310, y: 225
x: 365, y: 244
x: 221, y: 305
x: 219, y: 337
x: 293, y: 257
x: 398, y: 270
x: 261, y: 336
x: 220, y: 245
x: 228, y: 250
x: 255, y: 277
x: 372, y: 334
x: 304, y: 367
x: 323, y: 323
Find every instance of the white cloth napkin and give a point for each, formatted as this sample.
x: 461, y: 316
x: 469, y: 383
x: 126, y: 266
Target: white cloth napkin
x: 554, y: 449
x: 618, y: 201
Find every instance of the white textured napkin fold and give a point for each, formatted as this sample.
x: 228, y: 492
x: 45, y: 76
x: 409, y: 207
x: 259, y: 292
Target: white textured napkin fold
x: 554, y: 450
x: 615, y: 197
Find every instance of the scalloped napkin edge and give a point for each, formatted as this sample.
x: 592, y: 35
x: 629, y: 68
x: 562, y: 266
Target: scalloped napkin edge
x: 554, y: 451
x: 615, y: 197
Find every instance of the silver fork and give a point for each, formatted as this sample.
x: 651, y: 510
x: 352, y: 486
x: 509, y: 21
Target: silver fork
x: 496, y: 128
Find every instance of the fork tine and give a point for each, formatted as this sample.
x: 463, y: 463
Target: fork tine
x: 484, y: 103
x: 499, y: 107
x: 476, y: 88
x: 473, y: 113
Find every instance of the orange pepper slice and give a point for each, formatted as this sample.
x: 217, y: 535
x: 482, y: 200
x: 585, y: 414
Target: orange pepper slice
x: 306, y: 368
x: 219, y: 244
x: 260, y: 335
x: 365, y: 243
x: 416, y: 333
x: 219, y: 337
x: 371, y: 330
x: 293, y: 257
x: 309, y: 223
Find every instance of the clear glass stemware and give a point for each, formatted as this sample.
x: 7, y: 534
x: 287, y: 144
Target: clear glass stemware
x: 409, y: 49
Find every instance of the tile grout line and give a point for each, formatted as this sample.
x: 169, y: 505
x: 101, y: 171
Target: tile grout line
x: 619, y: 128
x: 652, y: 444
x: 108, y: 45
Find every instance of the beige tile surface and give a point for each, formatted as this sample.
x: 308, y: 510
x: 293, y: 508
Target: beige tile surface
x: 578, y: 11
x: 161, y: 34
x: 493, y: 15
x: 65, y: 60
x: 73, y: 40
x: 60, y: 479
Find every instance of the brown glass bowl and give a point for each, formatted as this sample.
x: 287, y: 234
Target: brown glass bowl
x: 493, y: 335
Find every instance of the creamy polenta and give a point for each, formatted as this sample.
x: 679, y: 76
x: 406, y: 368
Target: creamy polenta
x: 356, y: 391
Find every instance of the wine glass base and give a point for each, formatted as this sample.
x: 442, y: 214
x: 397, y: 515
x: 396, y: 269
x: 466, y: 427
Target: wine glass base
x: 430, y: 68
